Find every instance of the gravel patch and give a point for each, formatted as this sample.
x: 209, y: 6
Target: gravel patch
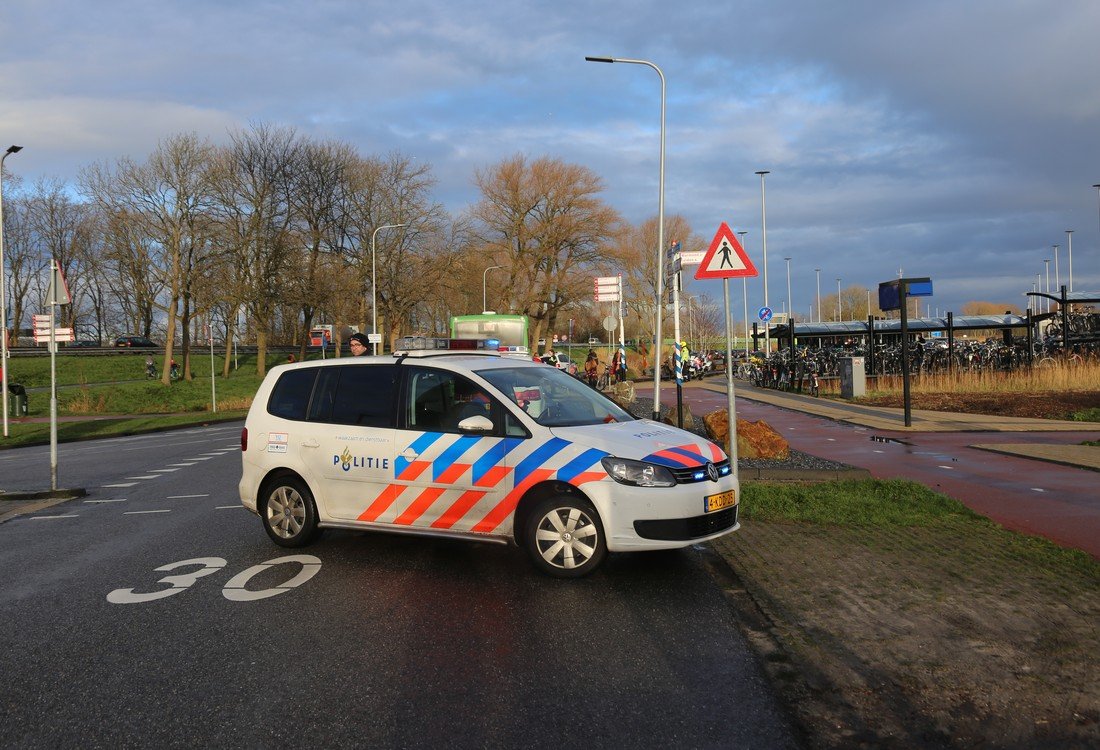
x: 643, y: 409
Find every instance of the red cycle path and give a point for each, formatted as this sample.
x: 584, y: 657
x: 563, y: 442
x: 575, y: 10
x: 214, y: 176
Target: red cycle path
x: 1060, y: 503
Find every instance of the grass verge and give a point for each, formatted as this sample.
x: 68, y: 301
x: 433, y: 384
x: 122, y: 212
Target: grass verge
x: 905, y: 620
x: 111, y: 396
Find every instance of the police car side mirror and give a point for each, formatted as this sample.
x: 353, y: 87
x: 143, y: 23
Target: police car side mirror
x: 476, y: 423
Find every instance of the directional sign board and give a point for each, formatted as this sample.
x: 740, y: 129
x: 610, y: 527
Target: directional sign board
x: 725, y: 258
x: 608, y: 288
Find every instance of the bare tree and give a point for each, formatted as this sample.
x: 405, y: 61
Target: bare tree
x: 169, y: 198
x: 320, y: 201
x: 253, y: 183
x: 21, y: 260
x: 543, y: 221
x: 412, y: 261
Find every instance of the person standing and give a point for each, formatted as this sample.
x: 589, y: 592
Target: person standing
x: 591, y: 368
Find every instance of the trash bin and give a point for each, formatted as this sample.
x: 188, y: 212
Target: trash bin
x: 17, y: 400
x: 853, y: 377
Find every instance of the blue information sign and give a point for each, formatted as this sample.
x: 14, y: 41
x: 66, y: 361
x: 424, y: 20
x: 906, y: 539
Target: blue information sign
x: 765, y: 314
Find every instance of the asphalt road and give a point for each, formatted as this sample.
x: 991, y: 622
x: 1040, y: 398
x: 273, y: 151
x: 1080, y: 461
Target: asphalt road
x: 358, y: 640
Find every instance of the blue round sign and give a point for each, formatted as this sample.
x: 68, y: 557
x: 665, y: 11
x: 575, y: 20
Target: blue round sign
x: 765, y: 314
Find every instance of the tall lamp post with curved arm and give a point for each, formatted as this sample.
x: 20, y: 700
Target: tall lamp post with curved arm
x: 745, y: 297
x: 3, y: 294
x: 374, y: 282
x: 660, y: 233
x: 764, y: 245
x: 484, y: 279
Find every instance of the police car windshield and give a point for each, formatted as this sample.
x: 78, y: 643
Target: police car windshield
x: 552, y: 398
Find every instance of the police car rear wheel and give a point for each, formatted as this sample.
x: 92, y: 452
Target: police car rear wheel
x: 564, y: 537
x: 289, y: 515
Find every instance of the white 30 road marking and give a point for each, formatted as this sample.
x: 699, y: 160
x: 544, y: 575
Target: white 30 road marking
x: 234, y: 590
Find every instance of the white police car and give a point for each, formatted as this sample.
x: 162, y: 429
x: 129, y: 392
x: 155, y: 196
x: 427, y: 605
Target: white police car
x: 473, y: 445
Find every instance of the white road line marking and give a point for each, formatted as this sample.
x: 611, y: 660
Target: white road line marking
x: 200, y: 458
x: 146, y: 476
x: 42, y: 518
x: 124, y: 484
x: 191, y: 464
x: 180, y: 497
x: 949, y: 468
x: 831, y: 440
x: 164, y: 471
x: 119, y: 500
x: 227, y: 507
x: 878, y: 451
x: 140, y: 512
x: 1037, y: 489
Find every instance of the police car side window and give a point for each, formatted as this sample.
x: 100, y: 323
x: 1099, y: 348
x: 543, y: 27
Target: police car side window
x: 324, y: 393
x: 437, y: 400
x: 290, y: 396
x: 365, y: 396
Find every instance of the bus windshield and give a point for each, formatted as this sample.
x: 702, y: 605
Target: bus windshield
x: 509, y: 330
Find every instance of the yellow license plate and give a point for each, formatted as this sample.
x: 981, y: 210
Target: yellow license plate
x: 719, y: 501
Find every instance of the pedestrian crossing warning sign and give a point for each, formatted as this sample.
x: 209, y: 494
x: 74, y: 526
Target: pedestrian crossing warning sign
x: 725, y: 258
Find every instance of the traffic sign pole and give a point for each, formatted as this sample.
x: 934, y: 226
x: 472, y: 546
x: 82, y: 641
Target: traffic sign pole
x: 731, y: 405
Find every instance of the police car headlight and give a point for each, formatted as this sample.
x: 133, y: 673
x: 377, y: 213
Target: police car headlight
x: 638, y: 473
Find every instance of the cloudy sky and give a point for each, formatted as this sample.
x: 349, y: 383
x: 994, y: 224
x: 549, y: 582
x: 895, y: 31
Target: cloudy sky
x: 956, y: 140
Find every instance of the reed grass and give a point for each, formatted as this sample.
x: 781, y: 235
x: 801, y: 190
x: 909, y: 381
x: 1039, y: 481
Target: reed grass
x: 1061, y: 379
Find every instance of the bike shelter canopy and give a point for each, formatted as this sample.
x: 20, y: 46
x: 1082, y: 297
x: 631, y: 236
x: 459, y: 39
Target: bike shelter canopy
x: 893, y: 326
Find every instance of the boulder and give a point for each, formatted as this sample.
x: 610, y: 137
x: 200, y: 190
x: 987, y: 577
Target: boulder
x: 621, y: 393
x: 670, y: 417
x: 754, y: 439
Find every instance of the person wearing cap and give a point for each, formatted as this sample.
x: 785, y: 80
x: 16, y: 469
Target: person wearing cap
x: 358, y: 344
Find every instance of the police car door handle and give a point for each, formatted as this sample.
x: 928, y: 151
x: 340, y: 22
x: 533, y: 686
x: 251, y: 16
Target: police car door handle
x: 311, y: 443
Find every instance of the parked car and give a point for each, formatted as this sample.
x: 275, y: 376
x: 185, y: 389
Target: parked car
x: 476, y: 446
x: 136, y: 342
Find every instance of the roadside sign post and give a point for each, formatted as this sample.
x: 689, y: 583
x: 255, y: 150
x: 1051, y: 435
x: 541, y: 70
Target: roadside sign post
x: 610, y: 289
x: 726, y: 259
x: 56, y: 295
x: 213, y: 388
x: 894, y: 295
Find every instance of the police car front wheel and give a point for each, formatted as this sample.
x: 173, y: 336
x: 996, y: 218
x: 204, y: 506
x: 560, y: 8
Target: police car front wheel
x: 564, y: 537
x: 289, y: 514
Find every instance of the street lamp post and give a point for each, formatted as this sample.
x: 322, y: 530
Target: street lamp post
x: 790, y: 303
x: 1057, y: 276
x: 660, y: 231
x: 484, y: 277
x: 374, y: 283
x: 764, y: 246
x: 1069, y: 248
x: 745, y: 297
x: 818, y: 272
x: 1097, y: 186
x: 3, y: 298
x: 839, y: 309
x: 1046, y: 264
